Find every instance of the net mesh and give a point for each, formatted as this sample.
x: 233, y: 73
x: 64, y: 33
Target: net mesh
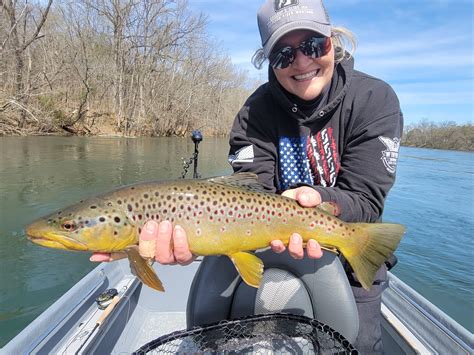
x: 261, y: 334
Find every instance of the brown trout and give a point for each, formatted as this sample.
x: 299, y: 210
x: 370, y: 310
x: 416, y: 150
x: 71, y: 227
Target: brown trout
x: 228, y: 215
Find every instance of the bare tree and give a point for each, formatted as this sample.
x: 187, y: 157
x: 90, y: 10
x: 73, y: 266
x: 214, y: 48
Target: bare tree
x: 24, y: 29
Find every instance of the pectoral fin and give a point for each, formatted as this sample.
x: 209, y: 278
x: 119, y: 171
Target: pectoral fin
x: 249, y: 267
x: 143, y: 270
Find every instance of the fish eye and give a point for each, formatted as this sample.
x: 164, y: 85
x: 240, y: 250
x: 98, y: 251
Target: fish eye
x: 69, y: 226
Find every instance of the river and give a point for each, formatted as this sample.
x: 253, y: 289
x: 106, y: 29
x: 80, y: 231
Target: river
x: 433, y: 197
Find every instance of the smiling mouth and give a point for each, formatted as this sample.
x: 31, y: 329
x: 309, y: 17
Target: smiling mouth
x: 306, y: 76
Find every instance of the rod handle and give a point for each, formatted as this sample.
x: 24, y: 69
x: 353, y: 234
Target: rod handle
x: 107, y: 310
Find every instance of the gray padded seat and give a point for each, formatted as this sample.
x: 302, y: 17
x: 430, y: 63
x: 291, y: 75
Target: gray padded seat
x: 317, y: 289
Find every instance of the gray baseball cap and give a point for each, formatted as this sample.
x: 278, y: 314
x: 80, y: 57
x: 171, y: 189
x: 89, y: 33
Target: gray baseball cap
x: 278, y: 17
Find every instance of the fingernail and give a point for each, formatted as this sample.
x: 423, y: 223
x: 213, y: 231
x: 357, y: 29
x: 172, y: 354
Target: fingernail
x: 312, y: 244
x: 151, y: 226
x: 164, y: 226
x: 98, y: 258
x: 295, y: 239
x: 178, y: 236
x: 150, y: 230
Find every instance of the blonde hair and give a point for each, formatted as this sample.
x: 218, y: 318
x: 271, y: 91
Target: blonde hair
x: 343, y: 40
x: 344, y: 43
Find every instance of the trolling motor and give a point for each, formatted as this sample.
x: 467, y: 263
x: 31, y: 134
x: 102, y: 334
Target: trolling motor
x: 196, y: 137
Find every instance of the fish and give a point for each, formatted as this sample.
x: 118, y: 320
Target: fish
x: 226, y: 215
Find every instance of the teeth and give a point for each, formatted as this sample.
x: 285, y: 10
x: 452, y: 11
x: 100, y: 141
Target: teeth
x: 307, y: 75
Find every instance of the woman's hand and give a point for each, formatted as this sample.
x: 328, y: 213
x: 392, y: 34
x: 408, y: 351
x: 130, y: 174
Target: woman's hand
x: 306, y: 197
x: 161, y: 242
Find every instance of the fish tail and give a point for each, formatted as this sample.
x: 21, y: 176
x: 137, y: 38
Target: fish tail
x: 143, y: 270
x: 375, y: 242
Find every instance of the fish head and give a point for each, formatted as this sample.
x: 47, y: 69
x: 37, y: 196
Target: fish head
x: 92, y: 225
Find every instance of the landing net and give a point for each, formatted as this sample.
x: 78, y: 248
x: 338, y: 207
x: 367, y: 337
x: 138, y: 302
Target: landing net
x: 262, y: 334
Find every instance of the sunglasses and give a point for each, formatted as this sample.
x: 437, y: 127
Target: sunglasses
x: 314, y: 47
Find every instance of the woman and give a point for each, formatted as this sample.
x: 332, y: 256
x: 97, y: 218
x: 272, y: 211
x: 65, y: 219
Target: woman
x: 317, y: 131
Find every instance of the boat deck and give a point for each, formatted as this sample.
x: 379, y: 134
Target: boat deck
x: 411, y: 325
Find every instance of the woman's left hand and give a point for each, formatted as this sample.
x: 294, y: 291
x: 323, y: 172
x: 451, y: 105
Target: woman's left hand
x: 306, y: 197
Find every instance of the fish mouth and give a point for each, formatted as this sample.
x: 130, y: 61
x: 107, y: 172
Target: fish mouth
x: 56, y: 241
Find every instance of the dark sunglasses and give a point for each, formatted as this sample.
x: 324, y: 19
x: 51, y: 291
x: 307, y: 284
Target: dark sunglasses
x: 314, y: 47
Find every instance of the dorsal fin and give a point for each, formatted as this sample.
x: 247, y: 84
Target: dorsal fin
x: 248, y: 181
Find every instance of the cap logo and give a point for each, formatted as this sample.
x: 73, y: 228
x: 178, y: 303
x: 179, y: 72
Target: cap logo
x: 281, y: 4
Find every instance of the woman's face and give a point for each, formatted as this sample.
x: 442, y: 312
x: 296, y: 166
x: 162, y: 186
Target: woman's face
x: 305, y: 77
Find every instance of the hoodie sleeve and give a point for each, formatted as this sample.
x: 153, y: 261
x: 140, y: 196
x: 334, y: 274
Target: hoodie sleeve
x: 369, y: 157
x: 251, y: 147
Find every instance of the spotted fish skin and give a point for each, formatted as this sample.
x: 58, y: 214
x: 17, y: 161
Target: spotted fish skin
x: 221, y: 216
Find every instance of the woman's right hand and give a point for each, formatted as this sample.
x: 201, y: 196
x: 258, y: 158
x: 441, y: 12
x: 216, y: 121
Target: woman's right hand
x: 158, y: 241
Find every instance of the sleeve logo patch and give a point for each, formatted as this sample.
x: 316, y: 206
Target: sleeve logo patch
x: 390, y: 155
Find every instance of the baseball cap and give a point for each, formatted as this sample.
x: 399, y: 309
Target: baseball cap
x: 278, y: 17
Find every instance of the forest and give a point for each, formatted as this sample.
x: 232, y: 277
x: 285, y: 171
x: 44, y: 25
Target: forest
x: 446, y: 135
x: 113, y: 67
x: 132, y: 68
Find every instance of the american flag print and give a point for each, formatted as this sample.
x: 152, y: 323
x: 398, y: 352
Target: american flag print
x: 293, y: 162
x: 312, y: 160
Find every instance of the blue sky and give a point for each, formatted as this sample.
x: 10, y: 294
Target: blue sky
x: 423, y: 48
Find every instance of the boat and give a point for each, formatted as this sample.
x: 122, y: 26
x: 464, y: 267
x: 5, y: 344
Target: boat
x: 110, y: 311
x: 75, y: 324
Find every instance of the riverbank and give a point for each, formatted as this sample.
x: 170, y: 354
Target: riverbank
x: 444, y: 136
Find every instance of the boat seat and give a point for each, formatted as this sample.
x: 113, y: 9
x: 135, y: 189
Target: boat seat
x: 317, y: 289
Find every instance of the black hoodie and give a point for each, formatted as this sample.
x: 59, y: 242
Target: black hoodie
x: 346, y: 148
